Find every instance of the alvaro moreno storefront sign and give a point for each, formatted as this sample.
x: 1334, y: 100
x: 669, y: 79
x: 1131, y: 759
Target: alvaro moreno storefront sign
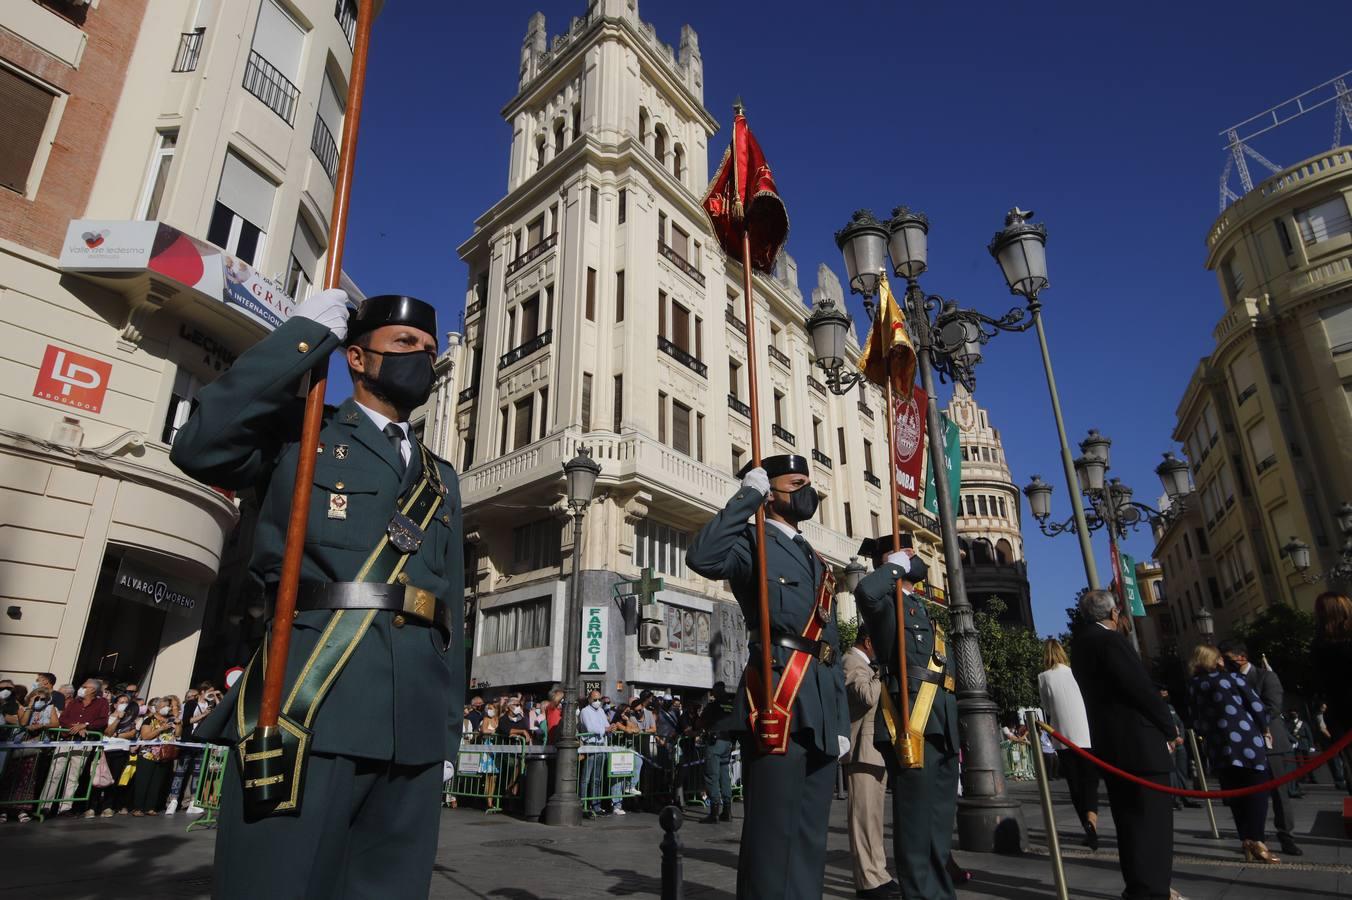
x: 144, y: 584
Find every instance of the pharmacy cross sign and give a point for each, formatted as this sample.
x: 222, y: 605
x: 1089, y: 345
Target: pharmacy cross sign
x: 644, y: 588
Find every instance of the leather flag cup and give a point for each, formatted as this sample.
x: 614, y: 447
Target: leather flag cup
x: 908, y: 428
x: 742, y: 199
x: 888, y: 351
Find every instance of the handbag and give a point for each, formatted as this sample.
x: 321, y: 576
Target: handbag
x: 103, y: 776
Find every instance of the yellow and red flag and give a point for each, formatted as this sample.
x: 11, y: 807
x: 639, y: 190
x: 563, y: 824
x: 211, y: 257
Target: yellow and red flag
x: 742, y: 200
x: 888, y: 352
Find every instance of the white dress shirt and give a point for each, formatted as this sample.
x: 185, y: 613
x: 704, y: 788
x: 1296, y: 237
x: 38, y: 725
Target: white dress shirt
x: 405, y: 448
x: 784, y: 527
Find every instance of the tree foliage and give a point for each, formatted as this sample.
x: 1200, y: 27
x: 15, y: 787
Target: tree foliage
x: 849, y: 630
x: 1283, y: 634
x: 1011, y: 655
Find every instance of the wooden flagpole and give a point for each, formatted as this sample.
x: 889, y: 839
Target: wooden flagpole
x: 896, y: 547
x: 279, y: 641
x: 762, y: 579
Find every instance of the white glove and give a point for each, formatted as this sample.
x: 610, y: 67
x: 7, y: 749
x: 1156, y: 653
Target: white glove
x: 757, y: 480
x: 844, y: 745
x: 901, y: 559
x: 328, y: 308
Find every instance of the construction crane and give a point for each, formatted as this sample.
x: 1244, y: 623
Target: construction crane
x: 1237, y: 137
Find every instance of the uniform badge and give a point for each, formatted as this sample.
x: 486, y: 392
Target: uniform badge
x: 340, y: 451
x: 337, y: 506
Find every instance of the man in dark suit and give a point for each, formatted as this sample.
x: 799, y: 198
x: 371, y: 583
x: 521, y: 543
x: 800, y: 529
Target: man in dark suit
x: 1268, y: 687
x: 1130, y: 727
x: 375, y: 671
x: 787, y: 795
x: 924, y: 799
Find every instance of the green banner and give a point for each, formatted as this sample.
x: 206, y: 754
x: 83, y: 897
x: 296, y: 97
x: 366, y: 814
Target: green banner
x: 1130, y: 589
x: 953, y: 459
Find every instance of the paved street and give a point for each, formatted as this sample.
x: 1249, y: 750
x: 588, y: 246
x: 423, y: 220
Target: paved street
x: 498, y: 856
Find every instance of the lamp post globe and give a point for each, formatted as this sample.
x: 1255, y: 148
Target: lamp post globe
x: 1039, y: 494
x: 1021, y: 250
x: 863, y: 243
x: 1344, y: 516
x: 1120, y: 498
x: 829, y: 326
x: 1173, y: 473
x: 1095, y: 446
x: 1299, y: 552
x: 1206, y: 624
x: 960, y: 338
x: 581, y: 472
x: 908, y: 242
x: 854, y: 573
x: 1090, y: 470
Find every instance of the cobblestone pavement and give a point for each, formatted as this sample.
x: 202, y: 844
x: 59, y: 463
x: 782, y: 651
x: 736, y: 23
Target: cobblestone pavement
x: 498, y: 856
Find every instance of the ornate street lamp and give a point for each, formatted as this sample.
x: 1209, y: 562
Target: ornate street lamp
x: 863, y: 243
x: 1206, y: 625
x: 1173, y: 473
x: 908, y: 242
x: 564, y: 807
x: 1096, y: 446
x: 1039, y: 494
x: 829, y: 326
x: 854, y: 573
x: 1341, y: 571
x: 1021, y: 251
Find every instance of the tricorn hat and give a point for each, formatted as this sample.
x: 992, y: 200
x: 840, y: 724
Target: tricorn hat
x: 391, y: 309
x: 876, y: 548
x: 776, y: 466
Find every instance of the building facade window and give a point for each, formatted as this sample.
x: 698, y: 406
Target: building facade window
x: 303, y: 264
x: 182, y: 402
x: 1324, y: 222
x: 523, y: 412
x: 661, y: 547
x: 586, y: 401
x: 840, y: 445
x: 536, y: 545
x: 544, y: 413
x: 680, y: 427
x: 594, y: 204
x: 520, y: 626
x: 243, y: 210
x: 617, y: 410
x: 623, y: 205
x: 619, y: 296
x: 1337, y: 322
x: 161, y: 163
x: 591, y: 294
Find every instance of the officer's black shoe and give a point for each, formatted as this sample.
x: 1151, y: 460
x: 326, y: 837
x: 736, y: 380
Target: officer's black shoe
x: 726, y: 814
x: 712, y: 817
x: 1191, y: 804
x: 1289, y: 847
x: 890, y: 889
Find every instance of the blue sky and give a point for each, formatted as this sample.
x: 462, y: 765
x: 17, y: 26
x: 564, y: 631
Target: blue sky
x: 1102, y: 119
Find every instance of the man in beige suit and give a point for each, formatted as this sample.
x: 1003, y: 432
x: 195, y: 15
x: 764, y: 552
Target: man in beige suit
x: 867, y: 773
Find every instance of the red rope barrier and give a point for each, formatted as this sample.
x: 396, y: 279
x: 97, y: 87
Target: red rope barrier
x: 1263, y: 788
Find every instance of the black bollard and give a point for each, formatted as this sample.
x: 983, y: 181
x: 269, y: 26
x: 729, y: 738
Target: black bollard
x: 672, y: 888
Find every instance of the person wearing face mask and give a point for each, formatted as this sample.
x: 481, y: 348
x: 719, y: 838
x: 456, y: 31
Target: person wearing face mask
x: 382, y: 578
x: 924, y: 799
x: 47, y: 681
x: 26, y: 715
x: 116, y: 798
x: 83, y: 718
x: 789, y: 775
x: 153, y: 768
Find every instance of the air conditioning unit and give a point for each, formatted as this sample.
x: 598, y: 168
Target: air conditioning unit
x: 650, y: 612
x: 652, y: 636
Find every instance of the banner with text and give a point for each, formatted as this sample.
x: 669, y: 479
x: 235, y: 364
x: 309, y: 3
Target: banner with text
x: 1130, y: 589
x: 593, y: 639
x: 908, y: 439
x: 953, y: 463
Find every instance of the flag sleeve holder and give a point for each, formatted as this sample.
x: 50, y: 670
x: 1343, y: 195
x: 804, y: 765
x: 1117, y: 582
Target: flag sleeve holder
x: 267, y: 780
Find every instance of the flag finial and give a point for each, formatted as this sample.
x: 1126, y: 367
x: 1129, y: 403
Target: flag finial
x: 738, y: 108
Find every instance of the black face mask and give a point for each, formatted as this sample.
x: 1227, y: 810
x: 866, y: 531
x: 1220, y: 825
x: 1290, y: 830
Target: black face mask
x: 404, y: 379
x: 801, y: 505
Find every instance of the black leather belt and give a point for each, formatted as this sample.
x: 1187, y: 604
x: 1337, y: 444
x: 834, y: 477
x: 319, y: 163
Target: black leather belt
x: 413, y: 603
x: 916, y: 674
x: 821, y: 651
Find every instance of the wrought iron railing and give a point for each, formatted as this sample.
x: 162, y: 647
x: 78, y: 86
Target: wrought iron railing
x: 189, y: 50
x: 816, y: 385
x: 474, y: 308
x: 821, y: 457
x: 785, y: 436
x: 516, y: 354
x: 324, y: 148
x: 345, y: 11
x: 738, y: 406
x: 865, y: 410
x: 733, y: 320
x: 679, y: 261
x: 682, y: 357
x: 469, y: 393
x: 533, y: 253
x: 264, y: 81
x: 779, y: 356
x: 873, y: 479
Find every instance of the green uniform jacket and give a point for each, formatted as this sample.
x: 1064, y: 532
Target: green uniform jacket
x: 876, y: 599
x: 725, y: 548
x: 401, y: 694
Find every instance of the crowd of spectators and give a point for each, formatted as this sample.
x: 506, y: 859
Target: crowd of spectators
x: 47, y: 765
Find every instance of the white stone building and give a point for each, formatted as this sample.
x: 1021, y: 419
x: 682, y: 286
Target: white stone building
x: 600, y: 311
x: 165, y: 187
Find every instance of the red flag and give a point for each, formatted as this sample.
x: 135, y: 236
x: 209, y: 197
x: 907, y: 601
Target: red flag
x: 742, y: 198
x: 908, y: 422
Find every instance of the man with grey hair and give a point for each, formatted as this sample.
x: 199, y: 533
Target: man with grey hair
x: 1130, y: 727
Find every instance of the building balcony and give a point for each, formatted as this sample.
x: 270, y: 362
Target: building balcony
x: 468, y: 394
x: 873, y: 479
x: 533, y: 254
x: 682, y: 357
x: 738, y: 406
x: 820, y: 457
x: 784, y: 435
x: 865, y: 410
x: 189, y: 50
x: 534, y: 345
x: 779, y: 356
x: 473, y: 309
x: 732, y: 320
x: 278, y: 94
x: 325, y: 150
x: 345, y: 11
x: 816, y: 385
x: 680, y: 262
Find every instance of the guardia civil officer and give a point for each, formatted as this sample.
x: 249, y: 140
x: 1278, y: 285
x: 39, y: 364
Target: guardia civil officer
x: 376, y: 668
x: 787, y: 795
x: 717, y: 755
x: 925, y: 799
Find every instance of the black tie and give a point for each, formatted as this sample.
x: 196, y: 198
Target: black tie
x: 396, y: 436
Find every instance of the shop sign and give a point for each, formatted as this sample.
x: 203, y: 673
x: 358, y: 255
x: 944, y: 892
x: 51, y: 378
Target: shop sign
x: 593, y: 639
x: 72, y: 379
x: 688, y: 630
x: 143, y: 584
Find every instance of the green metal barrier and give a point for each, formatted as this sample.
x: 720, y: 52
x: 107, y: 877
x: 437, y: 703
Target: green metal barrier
x: 608, y: 774
x: 38, y: 779
x: 209, y: 782
x: 489, y: 768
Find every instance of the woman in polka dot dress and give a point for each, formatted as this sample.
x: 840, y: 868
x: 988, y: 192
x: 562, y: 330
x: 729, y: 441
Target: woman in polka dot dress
x: 1229, y: 715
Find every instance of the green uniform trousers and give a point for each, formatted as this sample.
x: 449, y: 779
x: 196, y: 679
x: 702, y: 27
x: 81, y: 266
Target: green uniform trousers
x: 924, y: 806
x: 718, y: 771
x: 367, y: 830
x: 786, y: 815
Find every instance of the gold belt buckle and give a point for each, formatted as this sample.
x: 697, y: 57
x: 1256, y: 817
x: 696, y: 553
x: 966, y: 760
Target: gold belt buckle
x: 420, y: 603
x: 826, y: 653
